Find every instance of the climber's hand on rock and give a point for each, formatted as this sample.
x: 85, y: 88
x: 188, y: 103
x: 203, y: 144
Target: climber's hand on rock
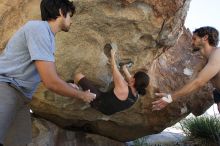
x: 113, y: 52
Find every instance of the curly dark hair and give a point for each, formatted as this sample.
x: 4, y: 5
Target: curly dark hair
x: 141, y: 82
x: 50, y: 8
x: 213, y: 34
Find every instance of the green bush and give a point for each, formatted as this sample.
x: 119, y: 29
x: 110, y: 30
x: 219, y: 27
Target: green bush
x: 205, y: 129
x: 140, y: 142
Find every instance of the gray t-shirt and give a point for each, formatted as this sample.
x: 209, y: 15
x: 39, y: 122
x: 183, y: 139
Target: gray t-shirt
x: 33, y: 41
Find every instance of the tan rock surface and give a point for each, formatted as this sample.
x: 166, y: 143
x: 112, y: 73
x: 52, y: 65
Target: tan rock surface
x: 145, y: 31
x: 48, y: 134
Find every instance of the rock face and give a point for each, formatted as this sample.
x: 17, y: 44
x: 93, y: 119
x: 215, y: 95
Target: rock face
x: 13, y: 14
x: 150, y: 32
x: 48, y: 134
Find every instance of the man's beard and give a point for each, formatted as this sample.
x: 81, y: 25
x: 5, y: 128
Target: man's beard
x: 66, y: 29
x: 195, y: 49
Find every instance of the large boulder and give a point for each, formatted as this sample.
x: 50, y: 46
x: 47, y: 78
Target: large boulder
x: 150, y: 32
x: 46, y: 133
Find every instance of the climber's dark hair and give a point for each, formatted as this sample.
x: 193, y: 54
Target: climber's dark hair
x: 211, y: 32
x: 50, y: 9
x: 141, y: 82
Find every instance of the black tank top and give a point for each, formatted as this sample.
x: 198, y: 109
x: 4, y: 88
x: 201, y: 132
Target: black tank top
x: 108, y: 103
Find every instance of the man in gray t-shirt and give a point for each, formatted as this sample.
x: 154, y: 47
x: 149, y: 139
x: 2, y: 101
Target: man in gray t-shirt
x: 27, y: 60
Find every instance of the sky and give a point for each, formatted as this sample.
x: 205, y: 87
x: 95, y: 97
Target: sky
x: 204, y: 13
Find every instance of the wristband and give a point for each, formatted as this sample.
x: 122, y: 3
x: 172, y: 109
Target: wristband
x: 167, y: 98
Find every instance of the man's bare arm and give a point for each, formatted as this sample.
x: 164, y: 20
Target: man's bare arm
x: 53, y: 82
x: 207, y: 73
